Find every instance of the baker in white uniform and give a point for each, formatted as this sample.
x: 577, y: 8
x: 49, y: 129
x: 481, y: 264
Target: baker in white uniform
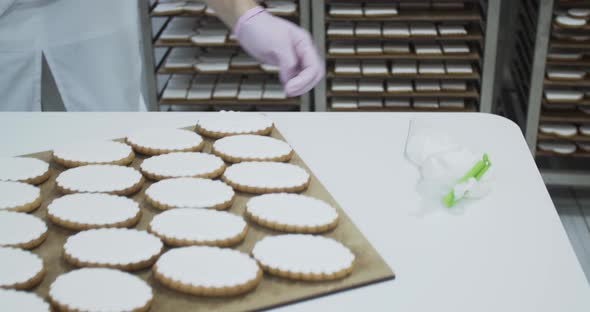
x: 91, y: 47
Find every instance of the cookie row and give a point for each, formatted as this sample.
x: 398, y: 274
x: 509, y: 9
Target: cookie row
x: 401, y: 48
x: 564, y: 129
x: 563, y: 148
x: 394, y: 30
x: 205, y: 87
x: 199, y: 270
x: 368, y: 9
x: 401, y: 68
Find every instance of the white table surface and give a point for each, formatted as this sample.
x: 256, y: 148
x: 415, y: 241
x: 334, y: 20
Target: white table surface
x: 506, y: 252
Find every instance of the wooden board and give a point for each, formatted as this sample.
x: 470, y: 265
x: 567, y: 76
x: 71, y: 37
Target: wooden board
x: 577, y: 154
x: 575, y: 117
x: 369, y: 268
x: 575, y: 138
x: 585, y: 61
x: 568, y: 83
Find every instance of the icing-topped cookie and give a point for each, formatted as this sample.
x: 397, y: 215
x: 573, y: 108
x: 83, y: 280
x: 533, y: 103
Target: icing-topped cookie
x: 15, y: 300
x: 579, y: 12
x: 114, y: 248
x: 184, y: 164
x: 585, y: 129
x: 208, y: 271
x: 91, y: 153
x: 563, y: 56
x: 83, y: 211
x: 190, y: 193
x: 224, y: 124
x: 570, y: 22
x: 266, y: 177
x: 24, y: 169
x: 564, y: 130
x: 188, y: 226
x: 21, y: 230
x: 561, y: 74
x: 249, y: 147
x: 304, y: 257
x: 112, y: 179
x: 20, y: 269
x: 562, y: 148
x: 565, y: 96
x: 18, y: 196
x: 292, y: 213
x: 100, y: 289
x: 162, y: 141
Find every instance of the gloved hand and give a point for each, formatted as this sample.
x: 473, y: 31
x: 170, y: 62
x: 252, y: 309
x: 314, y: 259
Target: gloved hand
x: 276, y: 41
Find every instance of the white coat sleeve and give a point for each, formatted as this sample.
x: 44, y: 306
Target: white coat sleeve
x: 4, y: 5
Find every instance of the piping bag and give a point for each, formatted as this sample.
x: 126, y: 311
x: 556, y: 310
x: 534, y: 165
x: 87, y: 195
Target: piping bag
x: 449, y: 173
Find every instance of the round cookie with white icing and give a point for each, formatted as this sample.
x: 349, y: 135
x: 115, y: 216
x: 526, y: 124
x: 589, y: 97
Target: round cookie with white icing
x: 112, y: 179
x: 585, y: 129
x: 208, y: 271
x: 162, y: 141
x: 249, y: 147
x: 83, y: 211
x: 562, y: 56
x: 94, y: 153
x: 18, y: 196
x: 224, y: 124
x: 187, y: 226
x: 21, y: 230
x: 123, y: 249
x: 15, y: 300
x: 579, y: 12
x: 584, y: 146
x: 184, y: 164
x: 20, y: 269
x: 190, y: 193
x: 292, y: 213
x: 562, y: 148
x: 560, y: 74
x: 100, y: 289
x: 563, y: 130
x: 24, y: 169
x: 304, y: 257
x: 570, y: 22
x: 266, y: 177
x: 563, y: 96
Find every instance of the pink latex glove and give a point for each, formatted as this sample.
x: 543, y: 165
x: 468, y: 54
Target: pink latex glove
x: 276, y: 41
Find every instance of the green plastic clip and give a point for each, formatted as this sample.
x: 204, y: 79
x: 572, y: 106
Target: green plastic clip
x: 476, y: 172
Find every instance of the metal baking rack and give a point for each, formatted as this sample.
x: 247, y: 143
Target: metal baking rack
x: 160, y: 51
x: 480, y: 19
x: 539, y: 47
